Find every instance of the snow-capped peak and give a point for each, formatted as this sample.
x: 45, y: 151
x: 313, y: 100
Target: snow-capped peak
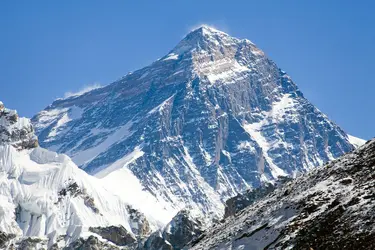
x: 204, y: 38
x: 357, y: 142
x: 212, y: 118
x: 205, y: 29
x: 215, y: 55
x: 16, y: 131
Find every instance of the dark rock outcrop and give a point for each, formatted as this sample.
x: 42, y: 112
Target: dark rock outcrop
x: 16, y: 131
x: 156, y: 242
x: 183, y: 228
x: 140, y: 224
x: 4, y: 237
x: 241, y: 201
x: 31, y: 243
x: 74, y: 190
x: 115, y: 234
x: 91, y: 243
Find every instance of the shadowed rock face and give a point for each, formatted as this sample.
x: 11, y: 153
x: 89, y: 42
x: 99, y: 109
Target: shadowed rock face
x: 156, y: 242
x: 141, y: 226
x: 241, y: 201
x: 331, y: 207
x: 5, y: 238
x: 74, y: 190
x: 16, y: 131
x: 182, y: 229
x: 115, y: 234
x: 10, y: 241
x: 91, y: 243
x: 30, y: 243
x: 211, y: 119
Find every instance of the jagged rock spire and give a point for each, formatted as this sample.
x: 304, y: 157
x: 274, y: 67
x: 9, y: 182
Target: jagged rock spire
x: 15, y: 130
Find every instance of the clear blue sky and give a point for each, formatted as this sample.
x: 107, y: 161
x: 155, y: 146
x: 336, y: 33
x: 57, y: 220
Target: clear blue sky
x: 48, y: 48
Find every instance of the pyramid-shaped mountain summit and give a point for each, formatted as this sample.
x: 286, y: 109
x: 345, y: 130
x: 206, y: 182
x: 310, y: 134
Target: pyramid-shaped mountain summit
x: 212, y: 118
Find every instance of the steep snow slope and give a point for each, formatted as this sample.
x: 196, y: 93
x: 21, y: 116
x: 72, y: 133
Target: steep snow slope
x: 45, y: 195
x: 212, y: 118
x: 355, y: 141
x: 331, y: 207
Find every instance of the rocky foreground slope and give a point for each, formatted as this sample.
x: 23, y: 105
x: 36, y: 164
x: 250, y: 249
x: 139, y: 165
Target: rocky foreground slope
x: 331, y: 207
x: 211, y: 119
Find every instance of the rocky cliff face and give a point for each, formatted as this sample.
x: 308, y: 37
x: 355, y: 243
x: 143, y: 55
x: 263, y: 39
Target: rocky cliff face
x: 331, y: 207
x: 212, y: 118
x: 16, y: 131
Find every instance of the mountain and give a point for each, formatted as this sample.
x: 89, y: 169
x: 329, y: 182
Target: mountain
x: 212, y: 118
x: 331, y: 207
x: 46, y: 201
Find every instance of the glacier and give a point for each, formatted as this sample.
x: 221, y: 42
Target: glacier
x: 47, y: 200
